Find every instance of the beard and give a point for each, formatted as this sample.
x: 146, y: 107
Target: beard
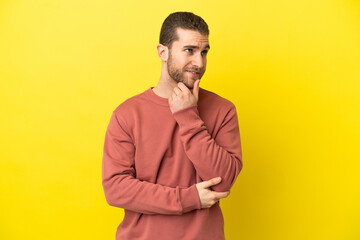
x: 180, y: 75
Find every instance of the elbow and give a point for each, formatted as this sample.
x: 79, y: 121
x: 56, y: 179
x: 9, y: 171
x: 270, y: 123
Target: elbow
x: 112, y: 195
x: 240, y: 164
x: 229, y: 177
x: 113, y: 203
x: 110, y: 200
x: 117, y: 190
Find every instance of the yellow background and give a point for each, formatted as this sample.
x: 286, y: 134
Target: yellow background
x: 292, y: 68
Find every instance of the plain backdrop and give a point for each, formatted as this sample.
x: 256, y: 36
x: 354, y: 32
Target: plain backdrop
x: 292, y: 68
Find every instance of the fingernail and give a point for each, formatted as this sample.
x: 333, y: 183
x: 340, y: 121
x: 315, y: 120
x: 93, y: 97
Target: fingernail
x: 218, y: 179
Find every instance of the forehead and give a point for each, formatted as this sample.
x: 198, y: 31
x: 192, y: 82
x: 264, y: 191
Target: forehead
x: 191, y: 37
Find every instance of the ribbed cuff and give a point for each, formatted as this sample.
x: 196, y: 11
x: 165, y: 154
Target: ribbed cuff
x: 189, y: 198
x: 189, y: 115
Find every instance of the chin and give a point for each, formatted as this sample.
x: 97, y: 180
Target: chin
x: 190, y: 82
x: 189, y: 85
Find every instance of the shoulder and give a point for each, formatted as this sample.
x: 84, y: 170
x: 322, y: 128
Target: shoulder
x: 127, y: 111
x: 131, y: 103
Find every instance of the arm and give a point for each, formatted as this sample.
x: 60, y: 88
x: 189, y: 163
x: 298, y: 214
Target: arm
x: 123, y: 190
x: 211, y: 157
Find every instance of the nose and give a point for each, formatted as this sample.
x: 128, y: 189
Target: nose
x: 198, y: 61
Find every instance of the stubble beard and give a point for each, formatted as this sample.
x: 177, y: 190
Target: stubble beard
x: 179, y: 75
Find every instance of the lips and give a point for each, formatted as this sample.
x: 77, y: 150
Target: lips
x: 194, y: 75
x: 193, y: 72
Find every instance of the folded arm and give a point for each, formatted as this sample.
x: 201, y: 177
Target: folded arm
x: 123, y: 190
x: 218, y: 156
x: 212, y: 157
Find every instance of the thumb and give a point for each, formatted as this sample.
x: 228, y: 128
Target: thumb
x: 196, y: 89
x: 211, y: 182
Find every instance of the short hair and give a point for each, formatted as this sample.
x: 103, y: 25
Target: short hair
x: 184, y: 20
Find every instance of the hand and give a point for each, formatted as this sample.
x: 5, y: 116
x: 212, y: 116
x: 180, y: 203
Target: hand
x: 182, y: 97
x: 207, y: 196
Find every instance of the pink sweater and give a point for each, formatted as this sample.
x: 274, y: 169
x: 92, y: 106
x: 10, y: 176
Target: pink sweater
x: 153, y: 159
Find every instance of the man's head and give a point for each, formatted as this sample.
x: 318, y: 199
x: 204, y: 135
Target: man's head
x: 183, y: 47
x: 183, y: 20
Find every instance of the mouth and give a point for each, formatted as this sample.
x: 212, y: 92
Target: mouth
x: 193, y: 73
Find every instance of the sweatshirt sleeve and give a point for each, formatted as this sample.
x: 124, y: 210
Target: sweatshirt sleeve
x: 123, y: 190
x: 212, y: 157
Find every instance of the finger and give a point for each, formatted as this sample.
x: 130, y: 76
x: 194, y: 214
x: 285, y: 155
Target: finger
x: 196, y: 89
x: 183, y: 88
x: 177, y: 91
x: 219, y: 195
x: 211, y: 182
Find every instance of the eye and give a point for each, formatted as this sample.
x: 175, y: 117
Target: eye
x: 204, y: 53
x: 189, y: 50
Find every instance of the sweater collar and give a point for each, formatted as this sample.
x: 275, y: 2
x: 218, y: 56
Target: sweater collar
x: 155, y: 98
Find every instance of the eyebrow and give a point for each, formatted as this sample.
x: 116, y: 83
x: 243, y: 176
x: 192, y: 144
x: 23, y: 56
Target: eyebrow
x: 196, y: 47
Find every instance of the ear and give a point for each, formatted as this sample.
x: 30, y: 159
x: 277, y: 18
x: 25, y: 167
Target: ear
x: 162, y: 52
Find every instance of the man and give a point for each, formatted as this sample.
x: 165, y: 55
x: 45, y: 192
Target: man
x: 173, y: 151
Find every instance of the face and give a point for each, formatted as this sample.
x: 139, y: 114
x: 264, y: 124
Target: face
x: 187, y: 57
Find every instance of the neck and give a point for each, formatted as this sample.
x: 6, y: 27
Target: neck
x: 165, y: 86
